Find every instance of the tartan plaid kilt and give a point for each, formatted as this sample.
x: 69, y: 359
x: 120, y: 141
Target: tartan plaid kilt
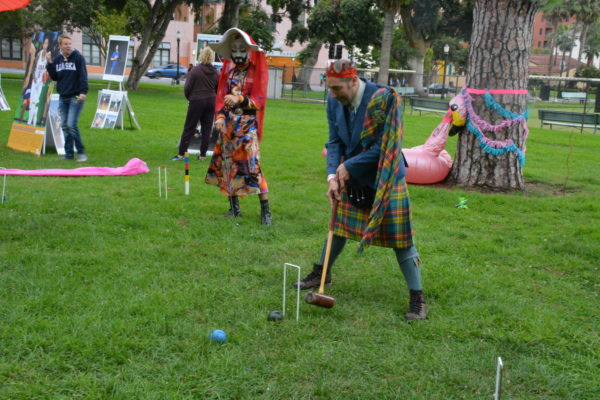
x: 396, y: 228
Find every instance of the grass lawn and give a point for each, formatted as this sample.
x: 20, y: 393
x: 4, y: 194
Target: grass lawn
x: 109, y: 292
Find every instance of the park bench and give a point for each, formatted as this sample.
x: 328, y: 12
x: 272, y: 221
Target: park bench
x: 573, y: 96
x: 568, y: 118
x: 431, y: 105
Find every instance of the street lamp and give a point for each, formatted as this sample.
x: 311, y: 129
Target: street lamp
x: 446, y: 51
x: 178, y: 36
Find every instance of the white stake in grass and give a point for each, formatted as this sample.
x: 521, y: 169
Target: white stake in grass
x: 162, y: 177
x: 297, y: 291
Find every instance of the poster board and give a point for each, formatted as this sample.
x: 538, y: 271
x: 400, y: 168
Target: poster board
x: 116, y: 60
x: 202, y: 40
x: 110, y: 112
x: 109, y: 109
x: 29, y: 124
x: 4, y: 106
x: 54, y: 134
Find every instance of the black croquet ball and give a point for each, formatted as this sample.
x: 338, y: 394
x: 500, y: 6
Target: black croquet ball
x: 275, y: 316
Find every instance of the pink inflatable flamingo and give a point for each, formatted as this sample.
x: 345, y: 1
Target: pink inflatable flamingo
x: 430, y: 162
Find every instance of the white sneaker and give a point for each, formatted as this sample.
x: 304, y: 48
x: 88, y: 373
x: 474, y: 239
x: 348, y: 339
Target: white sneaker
x: 81, y: 157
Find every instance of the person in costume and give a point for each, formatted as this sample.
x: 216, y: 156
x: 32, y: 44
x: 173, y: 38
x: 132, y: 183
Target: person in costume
x: 235, y: 166
x: 366, y: 172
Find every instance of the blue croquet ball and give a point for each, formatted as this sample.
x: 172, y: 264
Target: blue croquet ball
x: 218, y: 336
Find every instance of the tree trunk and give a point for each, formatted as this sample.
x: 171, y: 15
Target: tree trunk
x: 573, y: 38
x: 553, y: 44
x: 231, y: 15
x: 416, y: 64
x: 386, y: 46
x: 312, y: 49
x: 154, y: 32
x: 582, y: 40
x: 498, y: 59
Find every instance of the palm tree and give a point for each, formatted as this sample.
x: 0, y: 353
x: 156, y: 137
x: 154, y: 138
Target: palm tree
x: 592, y: 44
x: 391, y: 8
x: 555, y: 13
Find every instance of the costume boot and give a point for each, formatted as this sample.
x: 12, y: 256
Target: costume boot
x: 313, y: 279
x: 265, y: 213
x: 234, y: 207
x: 417, y: 308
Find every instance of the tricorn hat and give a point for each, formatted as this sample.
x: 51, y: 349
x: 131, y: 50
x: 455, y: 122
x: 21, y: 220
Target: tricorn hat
x: 223, y: 48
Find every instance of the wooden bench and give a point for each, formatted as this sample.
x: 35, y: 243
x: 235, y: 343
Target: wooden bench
x: 567, y: 118
x: 573, y: 96
x: 431, y: 105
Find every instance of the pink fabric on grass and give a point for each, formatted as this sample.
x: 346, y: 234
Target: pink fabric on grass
x: 134, y: 166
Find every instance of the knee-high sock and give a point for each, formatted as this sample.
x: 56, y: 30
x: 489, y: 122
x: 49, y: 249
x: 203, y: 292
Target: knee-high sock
x: 410, y: 264
x: 337, y: 245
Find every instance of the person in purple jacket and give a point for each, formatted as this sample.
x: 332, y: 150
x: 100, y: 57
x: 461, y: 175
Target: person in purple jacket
x: 69, y: 71
x: 201, y: 92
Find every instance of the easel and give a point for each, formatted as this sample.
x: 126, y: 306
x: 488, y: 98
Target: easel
x: 125, y: 103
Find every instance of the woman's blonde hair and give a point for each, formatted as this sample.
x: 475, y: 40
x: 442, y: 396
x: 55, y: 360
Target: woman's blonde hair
x: 207, y: 56
x: 63, y: 36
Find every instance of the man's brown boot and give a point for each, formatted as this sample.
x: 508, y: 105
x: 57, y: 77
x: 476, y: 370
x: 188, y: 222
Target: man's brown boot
x: 417, y: 308
x: 313, y: 279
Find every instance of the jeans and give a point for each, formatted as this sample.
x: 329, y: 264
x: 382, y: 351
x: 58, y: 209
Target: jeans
x: 70, y: 110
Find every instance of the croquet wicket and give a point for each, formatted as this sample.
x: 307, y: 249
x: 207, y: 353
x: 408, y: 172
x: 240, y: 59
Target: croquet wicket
x: 4, y: 188
x: 162, y: 177
x: 285, y: 265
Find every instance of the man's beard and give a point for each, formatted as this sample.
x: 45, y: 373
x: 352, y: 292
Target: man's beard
x: 239, y: 61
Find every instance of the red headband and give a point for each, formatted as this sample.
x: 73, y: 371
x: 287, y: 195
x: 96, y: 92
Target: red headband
x: 341, y: 69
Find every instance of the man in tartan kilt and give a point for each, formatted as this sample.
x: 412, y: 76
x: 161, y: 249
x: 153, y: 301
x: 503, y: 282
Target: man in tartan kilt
x: 366, y: 173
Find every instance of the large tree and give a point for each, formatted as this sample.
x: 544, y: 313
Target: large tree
x: 498, y: 59
x: 149, y: 20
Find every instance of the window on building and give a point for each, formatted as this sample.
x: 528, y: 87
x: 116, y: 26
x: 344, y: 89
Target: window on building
x: 130, y: 55
x: 539, y: 45
x: 163, y: 54
x: 90, y: 51
x: 335, y: 51
x: 541, y: 30
x: 11, y: 49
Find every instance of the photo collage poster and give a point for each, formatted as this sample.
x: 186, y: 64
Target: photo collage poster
x: 56, y: 137
x: 4, y: 106
x: 116, y: 60
x: 109, y: 110
x: 37, y: 86
x: 202, y: 41
x: 28, y: 131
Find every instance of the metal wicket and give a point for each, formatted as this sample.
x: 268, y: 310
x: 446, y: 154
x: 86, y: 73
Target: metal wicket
x: 499, y: 368
x: 162, y: 177
x: 285, y: 265
x: 4, y: 188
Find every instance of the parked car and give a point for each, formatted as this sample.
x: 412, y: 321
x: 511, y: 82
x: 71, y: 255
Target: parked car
x: 166, y: 71
x: 436, y: 88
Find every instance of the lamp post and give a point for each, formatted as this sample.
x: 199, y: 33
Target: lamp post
x: 446, y: 51
x: 178, y: 39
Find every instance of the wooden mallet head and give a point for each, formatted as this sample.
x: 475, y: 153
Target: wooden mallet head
x: 321, y: 300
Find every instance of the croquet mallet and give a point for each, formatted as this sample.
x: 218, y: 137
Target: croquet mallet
x: 320, y: 299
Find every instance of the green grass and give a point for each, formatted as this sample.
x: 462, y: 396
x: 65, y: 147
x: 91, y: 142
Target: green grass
x: 109, y: 292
